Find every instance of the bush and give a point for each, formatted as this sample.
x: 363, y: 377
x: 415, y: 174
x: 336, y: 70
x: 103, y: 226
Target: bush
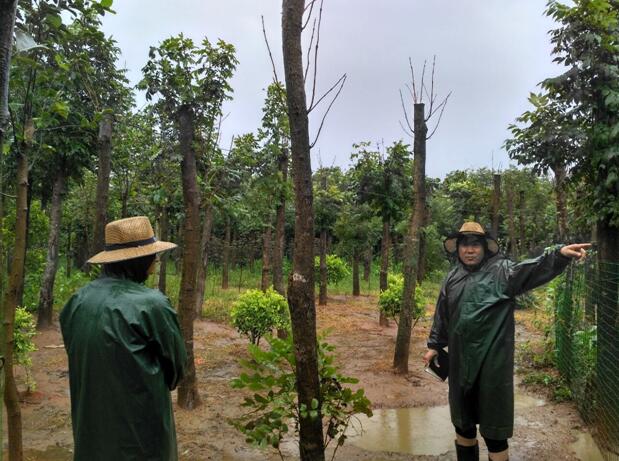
x: 256, y: 313
x: 337, y: 269
x: 390, y: 300
x: 273, y: 405
x: 23, y: 345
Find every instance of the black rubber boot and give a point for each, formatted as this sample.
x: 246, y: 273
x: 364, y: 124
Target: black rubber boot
x: 467, y: 453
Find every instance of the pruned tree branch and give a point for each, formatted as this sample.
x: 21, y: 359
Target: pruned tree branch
x: 410, y: 63
x: 343, y: 81
x: 310, y: 5
x: 440, y: 116
x: 266, y: 40
x: 408, y: 123
x: 316, y: 54
x: 325, y: 95
x: 309, y: 50
x: 408, y: 133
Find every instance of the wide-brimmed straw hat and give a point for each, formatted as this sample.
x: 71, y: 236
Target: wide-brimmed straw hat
x: 470, y: 228
x: 129, y: 238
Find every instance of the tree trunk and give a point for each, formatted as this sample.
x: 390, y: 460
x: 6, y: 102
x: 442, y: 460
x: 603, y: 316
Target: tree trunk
x: 411, y: 244
x: 266, y: 257
x: 11, y: 299
x: 301, y: 282
x: 560, y: 175
x: 523, y: 244
x: 188, y: 396
x: 164, y: 225
x: 322, y: 293
x: 7, y: 24
x: 513, y: 246
x: 225, y: 263
x: 68, y: 256
x: 280, y: 227
x: 207, y: 226
x: 103, y: 182
x: 384, y: 264
x: 496, y: 204
x: 356, y: 291
x: 46, y: 294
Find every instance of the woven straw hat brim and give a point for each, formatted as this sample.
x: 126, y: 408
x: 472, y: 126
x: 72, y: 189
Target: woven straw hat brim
x: 451, y: 243
x: 124, y: 254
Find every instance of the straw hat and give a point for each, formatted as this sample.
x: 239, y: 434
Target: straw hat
x: 129, y: 238
x: 470, y: 228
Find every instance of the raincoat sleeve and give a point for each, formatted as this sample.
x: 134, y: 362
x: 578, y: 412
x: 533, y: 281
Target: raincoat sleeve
x: 166, y: 340
x: 532, y: 273
x: 438, y: 333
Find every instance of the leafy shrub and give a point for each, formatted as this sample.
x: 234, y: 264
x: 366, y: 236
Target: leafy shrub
x: 256, y: 313
x: 337, y: 269
x: 390, y: 300
x: 274, y: 403
x: 23, y: 345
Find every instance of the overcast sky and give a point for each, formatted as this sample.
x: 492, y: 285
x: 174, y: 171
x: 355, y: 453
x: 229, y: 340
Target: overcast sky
x: 490, y: 55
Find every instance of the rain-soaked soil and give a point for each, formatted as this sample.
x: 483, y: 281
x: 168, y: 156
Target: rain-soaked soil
x: 411, y: 421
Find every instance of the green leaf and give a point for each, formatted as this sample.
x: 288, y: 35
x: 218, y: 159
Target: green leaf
x: 106, y: 3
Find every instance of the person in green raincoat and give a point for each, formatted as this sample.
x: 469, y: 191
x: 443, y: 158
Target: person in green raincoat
x: 474, y: 319
x: 126, y: 353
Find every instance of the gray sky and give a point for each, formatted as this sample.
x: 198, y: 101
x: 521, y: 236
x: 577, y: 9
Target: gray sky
x: 490, y: 54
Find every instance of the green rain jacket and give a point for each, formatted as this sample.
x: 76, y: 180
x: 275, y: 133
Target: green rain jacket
x: 125, y: 355
x: 474, y: 318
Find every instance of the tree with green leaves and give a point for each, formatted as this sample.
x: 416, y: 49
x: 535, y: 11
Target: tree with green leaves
x: 192, y: 83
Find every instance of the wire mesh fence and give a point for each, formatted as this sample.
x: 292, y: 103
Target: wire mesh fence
x: 587, y: 346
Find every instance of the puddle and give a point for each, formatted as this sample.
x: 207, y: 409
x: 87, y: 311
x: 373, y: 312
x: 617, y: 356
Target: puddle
x: 586, y: 449
x: 415, y: 431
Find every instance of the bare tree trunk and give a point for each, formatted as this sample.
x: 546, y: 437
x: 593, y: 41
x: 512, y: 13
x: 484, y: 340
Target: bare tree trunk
x: 411, y: 244
x: 384, y: 264
x: 46, y: 294
x: 266, y: 257
x: 513, y: 246
x: 11, y: 299
x: 225, y: 263
x: 68, y: 256
x: 322, y: 293
x: 560, y: 175
x: 496, y: 204
x: 188, y: 396
x: 523, y: 244
x: 301, y: 282
x: 280, y: 227
x: 164, y: 225
x: 207, y: 226
x: 356, y: 291
x: 103, y: 182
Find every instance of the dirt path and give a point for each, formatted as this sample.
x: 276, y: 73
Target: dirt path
x: 364, y: 350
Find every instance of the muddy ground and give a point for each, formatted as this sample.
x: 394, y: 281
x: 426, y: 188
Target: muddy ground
x: 364, y: 350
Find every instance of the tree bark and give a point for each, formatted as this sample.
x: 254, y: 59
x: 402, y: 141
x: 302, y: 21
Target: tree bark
x: 225, y: 263
x: 207, y: 227
x: 384, y: 264
x: 301, y: 282
x: 496, y: 204
x: 164, y: 225
x: 11, y: 299
x: 367, y: 263
x: 46, y: 294
x: 411, y: 244
x: 103, y: 182
x: 513, y: 246
x: 266, y: 257
x: 356, y: 291
x: 7, y: 24
x: 280, y: 227
x: 188, y: 396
